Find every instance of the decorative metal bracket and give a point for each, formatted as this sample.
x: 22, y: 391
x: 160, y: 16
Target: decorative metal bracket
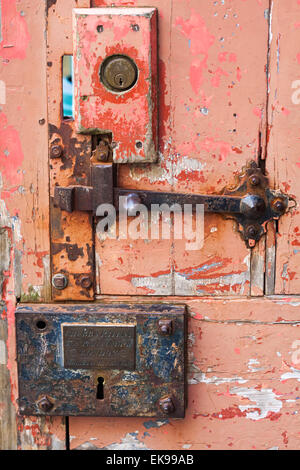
x: 250, y: 202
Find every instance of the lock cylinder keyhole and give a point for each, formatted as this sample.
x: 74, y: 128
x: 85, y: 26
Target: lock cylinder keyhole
x: 100, y: 388
x: 118, y: 73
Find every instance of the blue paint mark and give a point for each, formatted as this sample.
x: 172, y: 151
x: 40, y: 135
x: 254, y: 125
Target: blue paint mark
x: 296, y: 252
x: 154, y: 424
x: 189, y: 42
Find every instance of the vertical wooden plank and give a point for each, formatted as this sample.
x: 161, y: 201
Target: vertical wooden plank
x: 219, y: 104
x: 71, y: 234
x: 283, y: 164
x: 24, y: 203
x: 139, y: 267
x: 8, y: 429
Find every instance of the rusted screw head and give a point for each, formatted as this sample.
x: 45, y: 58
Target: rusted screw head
x: 56, y: 151
x: 59, y: 281
x: 45, y: 404
x: 254, y: 180
x: 165, y: 327
x: 278, y: 205
x: 167, y: 405
x: 86, y: 282
x: 251, y: 232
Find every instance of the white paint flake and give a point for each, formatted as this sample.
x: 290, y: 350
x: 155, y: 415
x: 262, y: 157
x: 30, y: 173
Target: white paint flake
x: 265, y: 400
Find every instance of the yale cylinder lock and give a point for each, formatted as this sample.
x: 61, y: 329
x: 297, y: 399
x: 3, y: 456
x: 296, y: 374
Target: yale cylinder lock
x: 118, y: 73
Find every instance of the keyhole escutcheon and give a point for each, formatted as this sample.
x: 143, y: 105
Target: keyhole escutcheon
x: 100, y: 388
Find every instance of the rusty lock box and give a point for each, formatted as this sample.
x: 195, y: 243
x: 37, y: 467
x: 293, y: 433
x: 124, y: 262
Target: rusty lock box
x: 102, y: 359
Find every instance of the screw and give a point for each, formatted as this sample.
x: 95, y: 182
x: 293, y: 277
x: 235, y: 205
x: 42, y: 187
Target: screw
x: 278, y: 205
x: 101, y: 152
x: 135, y: 27
x: 45, y: 404
x: 167, y: 405
x: 59, y: 281
x: 165, y: 327
x: 254, y: 180
x: 251, y: 232
x: 86, y: 282
x: 56, y: 151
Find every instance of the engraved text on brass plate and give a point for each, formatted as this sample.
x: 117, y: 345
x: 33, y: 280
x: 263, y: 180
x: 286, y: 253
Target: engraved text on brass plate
x: 99, y: 346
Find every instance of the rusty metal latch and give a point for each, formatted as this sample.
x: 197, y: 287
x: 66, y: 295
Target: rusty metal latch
x: 250, y: 202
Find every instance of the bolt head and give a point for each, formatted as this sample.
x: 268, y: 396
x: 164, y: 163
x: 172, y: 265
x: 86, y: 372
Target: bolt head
x: 165, y: 327
x: 45, y: 404
x: 56, y: 151
x: 254, y: 180
x: 278, y: 205
x: 252, y: 232
x: 59, y: 281
x: 167, y: 405
x: 86, y: 282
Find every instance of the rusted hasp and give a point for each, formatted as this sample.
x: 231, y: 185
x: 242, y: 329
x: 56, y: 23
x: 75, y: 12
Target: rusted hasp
x: 251, y: 203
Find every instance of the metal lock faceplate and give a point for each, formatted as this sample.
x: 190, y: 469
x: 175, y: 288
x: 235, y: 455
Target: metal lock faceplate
x: 101, y: 360
x: 116, y: 79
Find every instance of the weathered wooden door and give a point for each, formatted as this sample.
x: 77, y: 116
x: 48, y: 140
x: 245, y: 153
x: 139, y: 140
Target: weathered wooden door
x: 228, y: 94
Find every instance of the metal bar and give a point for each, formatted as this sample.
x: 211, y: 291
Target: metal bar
x: 219, y: 203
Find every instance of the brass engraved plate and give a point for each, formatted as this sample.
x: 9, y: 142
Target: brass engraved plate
x: 99, y: 346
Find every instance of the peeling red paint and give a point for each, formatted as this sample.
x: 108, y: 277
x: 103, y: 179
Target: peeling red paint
x: 200, y: 41
x: 14, y: 31
x: 11, y: 154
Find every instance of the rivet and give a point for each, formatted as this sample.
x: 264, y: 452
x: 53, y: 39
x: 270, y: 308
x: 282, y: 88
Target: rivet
x: 56, y: 151
x: 165, y: 327
x: 167, y: 405
x: 45, y: 404
x: 254, y: 180
x: 86, y: 282
x: 59, y: 281
x: 278, y: 205
x: 251, y: 232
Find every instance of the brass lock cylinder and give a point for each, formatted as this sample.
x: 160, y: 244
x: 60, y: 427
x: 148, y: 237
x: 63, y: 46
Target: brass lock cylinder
x: 118, y: 73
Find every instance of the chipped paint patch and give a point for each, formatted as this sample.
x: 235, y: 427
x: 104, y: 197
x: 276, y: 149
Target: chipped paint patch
x: 2, y: 352
x: 200, y: 377
x: 171, y: 171
x: 186, y: 285
x: 129, y: 442
x: 265, y: 402
x: 11, y: 154
x: 295, y: 374
x: 2, y: 92
x: 155, y: 424
x: 251, y: 365
x: 197, y: 376
x: 14, y: 32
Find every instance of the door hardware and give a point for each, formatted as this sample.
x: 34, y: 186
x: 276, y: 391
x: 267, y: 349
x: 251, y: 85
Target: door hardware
x: 251, y: 202
x: 102, y: 359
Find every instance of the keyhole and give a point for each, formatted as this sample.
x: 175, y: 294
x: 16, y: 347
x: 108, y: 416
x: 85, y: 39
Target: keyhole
x: 100, y: 389
x: 120, y: 81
